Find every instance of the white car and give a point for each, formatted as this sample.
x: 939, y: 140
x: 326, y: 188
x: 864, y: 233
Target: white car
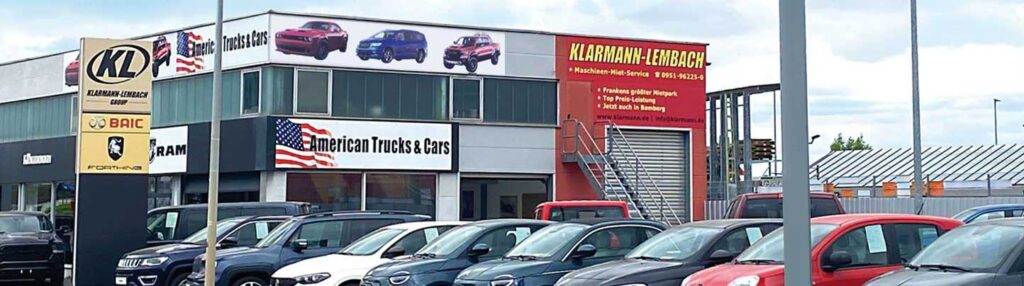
x: 347, y: 267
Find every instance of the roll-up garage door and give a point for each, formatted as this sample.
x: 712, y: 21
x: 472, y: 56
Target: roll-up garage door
x: 666, y: 157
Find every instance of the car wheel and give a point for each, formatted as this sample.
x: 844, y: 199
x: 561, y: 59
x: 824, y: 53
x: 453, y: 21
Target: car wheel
x: 344, y: 45
x: 250, y: 281
x: 471, y: 64
x: 321, y: 51
x: 156, y: 71
x: 494, y: 58
x: 448, y: 65
x: 178, y: 280
x: 364, y: 58
x: 421, y: 56
x: 388, y: 56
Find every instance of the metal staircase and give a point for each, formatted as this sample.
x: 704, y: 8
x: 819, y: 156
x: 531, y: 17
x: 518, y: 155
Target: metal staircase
x: 622, y: 177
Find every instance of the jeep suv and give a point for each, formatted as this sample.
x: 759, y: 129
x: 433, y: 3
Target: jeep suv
x: 396, y: 45
x: 295, y: 240
x: 470, y: 50
x: 315, y: 38
x: 30, y: 252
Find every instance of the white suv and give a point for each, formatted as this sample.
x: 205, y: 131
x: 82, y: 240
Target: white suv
x: 347, y: 267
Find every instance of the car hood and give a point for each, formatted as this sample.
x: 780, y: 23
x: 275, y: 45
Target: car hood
x: 332, y: 263
x: 632, y: 269
x: 486, y: 271
x: 459, y: 48
x: 907, y: 277
x: 371, y: 40
x: 726, y: 273
x: 165, y: 249
x: 302, y: 32
x: 26, y: 238
x: 411, y: 265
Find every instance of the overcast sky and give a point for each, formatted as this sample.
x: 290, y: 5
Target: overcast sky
x: 859, y: 50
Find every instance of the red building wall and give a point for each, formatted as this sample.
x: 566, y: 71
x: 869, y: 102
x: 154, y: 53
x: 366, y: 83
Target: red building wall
x: 631, y: 83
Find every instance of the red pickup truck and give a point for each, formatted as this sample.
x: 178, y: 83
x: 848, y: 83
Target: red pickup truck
x: 470, y: 50
x: 570, y: 210
x: 769, y: 205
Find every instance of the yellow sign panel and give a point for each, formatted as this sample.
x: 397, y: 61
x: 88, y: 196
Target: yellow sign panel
x: 113, y: 153
x: 116, y: 76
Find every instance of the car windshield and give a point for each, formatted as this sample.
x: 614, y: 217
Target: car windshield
x: 769, y: 249
x: 222, y: 227
x: 548, y: 241
x: 280, y: 233
x: 466, y: 41
x: 964, y: 214
x: 450, y: 241
x: 162, y: 225
x: 372, y: 242
x: 676, y: 244
x: 26, y: 223
x: 977, y: 248
x: 316, y: 26
x: 383, y: 35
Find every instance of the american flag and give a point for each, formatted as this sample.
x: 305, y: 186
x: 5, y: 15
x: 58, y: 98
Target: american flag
x: 187, y: 60
x: 292, y: 148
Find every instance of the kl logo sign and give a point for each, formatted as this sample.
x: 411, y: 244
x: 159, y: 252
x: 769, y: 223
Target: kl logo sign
x: 118, y: 64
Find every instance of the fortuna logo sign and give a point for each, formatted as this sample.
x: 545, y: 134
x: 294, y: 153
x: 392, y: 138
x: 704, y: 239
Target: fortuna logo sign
x: 115, y: 147
x: 117, y: 64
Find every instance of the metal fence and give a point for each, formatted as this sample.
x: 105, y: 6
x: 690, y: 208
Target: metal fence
x: 937, y: 206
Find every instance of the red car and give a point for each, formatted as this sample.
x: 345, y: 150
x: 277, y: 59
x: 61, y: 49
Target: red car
x: 470, y: 50
x: 161, y: 54
x: 846, y: 249
x: 769, y: 205
x: 315, y: 38
x: 570, y: 210
x: 71, y: 73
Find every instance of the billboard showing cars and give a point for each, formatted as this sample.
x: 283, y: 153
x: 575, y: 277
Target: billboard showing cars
x: 379, y: 45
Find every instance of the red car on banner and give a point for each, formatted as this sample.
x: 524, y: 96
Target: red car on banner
x: 470, y: 50
x: 161, y: 54
x: 315, y: 38
x: 71, y: 73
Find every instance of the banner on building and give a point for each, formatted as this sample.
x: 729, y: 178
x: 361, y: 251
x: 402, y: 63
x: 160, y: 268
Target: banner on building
x: 115, y: 76
x: 168, y: 150
x: 362, y: 145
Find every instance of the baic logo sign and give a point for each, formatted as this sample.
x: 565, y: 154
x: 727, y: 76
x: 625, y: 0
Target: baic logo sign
x: 118, y: 64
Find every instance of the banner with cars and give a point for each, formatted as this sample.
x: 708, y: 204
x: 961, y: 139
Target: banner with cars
x: 378, y: 45
x: 362, y: 145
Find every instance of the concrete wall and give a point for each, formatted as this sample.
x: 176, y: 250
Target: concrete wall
x: 504, y: 149
x: 530, y: 55
x: 32, y: 78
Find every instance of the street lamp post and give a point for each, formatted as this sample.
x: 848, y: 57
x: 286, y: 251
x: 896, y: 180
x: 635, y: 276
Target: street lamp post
x: 916, y: 94
x: 995, y: 119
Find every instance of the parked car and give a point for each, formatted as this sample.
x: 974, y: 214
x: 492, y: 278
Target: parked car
x: 769, y: 205
x: 470, y: 50
x: 558, y: 249
x: 30, y: 252
x: 846, y: 250
x: 172, y: 224
x: 983, y: 253
x: 314, y: 38
x: 669, y: 257
x: 297, y: 239
x: 390, y: 45
x: 441, y: 260
x: 170, y: 264
x: 989, y: 212
x: 71, y: 73
x: 348, y: 266
x: 161, y: 54
x: 570, y: 210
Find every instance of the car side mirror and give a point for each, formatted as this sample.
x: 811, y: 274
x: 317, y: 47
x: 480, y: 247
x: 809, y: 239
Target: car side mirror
x: 584, y: 251
x: 480, y: 249
x: 837, y: 260
x: 720, y: 256
x: 300, y: 244
x: 229, y: 242
x: 394, y: 251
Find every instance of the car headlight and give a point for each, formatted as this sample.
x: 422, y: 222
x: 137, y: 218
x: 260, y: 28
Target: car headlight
x: 277, y: 35
x: 312, y: 278
x: 503, y: 280
x: 399, y: 278
x: 745, y: 281
x: 155, y: 261
x: 375, y: 44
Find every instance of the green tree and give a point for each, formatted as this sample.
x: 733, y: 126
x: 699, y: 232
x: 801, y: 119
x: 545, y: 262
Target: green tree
x: 849, y: 143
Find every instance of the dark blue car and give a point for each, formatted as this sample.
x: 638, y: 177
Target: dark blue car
x: 390, y: 45
x: 990, y: 212
x: 296, y: 239
x: 440, y: 261
x: 559, y: 249
x: 170, y: 264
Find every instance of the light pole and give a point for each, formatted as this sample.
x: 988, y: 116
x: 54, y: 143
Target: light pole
x: 211, y: 206
x: 795, y: 184
x: 916, y: 93
x: 995, y: 119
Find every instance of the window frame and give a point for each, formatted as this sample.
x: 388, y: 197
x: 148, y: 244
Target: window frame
x: 891, y: 252
x: 259, y: 92
x: 558, y: 103
x: 451, y: 99
x: 235, y: 231
x: 295, y: 91
x: 580, y: 241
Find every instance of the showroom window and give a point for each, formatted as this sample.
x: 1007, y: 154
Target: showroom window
x: 520, y: 101
x: 38, y: 197
x: 311, y: 92
x: 160, y: 190
x: 466, y: 98
x: 251, y: 92
x: 234, y: 187
x: 389, y: 95
x: 328, y: 191
x: 9, y: 197
x: 410, y: 192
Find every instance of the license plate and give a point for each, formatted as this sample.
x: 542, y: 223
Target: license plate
x: 121, y: 280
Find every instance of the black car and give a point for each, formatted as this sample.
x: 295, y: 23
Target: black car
x: 558, y: 249
x: 982, y: 253
x: 298, y: 238
x: 30, y: 252
x: 172, y: 224
x: 170, y: 264
x: 440, y: 261
x: 669, y: 257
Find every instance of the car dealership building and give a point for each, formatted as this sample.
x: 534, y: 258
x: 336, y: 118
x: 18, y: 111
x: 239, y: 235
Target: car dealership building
x: 462, y: 123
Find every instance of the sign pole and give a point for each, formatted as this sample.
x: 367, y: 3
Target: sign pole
x: 916, y: 93
x: 211, y: 213
x: 795, y: 181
